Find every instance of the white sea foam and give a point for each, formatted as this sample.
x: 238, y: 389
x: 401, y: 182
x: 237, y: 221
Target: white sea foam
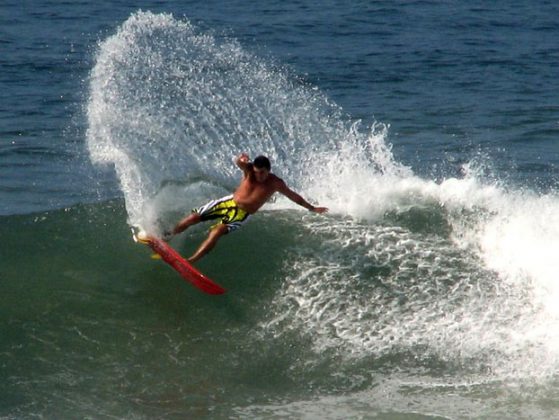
x: 481, y: 292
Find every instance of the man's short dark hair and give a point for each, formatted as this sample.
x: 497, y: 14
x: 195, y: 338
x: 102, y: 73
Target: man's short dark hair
x: 261, y: 162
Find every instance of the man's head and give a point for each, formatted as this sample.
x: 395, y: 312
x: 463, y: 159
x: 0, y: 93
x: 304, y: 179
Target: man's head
x: 261, y: 167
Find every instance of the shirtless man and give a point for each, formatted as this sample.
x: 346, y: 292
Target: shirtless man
x: 257, y: 186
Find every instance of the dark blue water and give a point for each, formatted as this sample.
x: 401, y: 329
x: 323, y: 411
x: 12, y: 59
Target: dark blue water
x: 430, y: 130
x: 453, y: 81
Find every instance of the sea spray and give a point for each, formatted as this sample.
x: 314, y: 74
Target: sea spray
x: 168, y: 103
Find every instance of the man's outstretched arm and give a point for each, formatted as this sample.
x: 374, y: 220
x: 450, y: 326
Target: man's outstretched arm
x: 296, y: 198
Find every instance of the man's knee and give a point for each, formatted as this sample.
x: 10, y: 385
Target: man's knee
x: 185, y: 223
x: 220, y: 230
x: 193, y: 218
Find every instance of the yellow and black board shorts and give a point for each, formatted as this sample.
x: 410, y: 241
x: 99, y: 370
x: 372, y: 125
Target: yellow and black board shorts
x: 225, y: 209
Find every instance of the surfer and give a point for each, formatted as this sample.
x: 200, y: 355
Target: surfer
x: 257, y: 186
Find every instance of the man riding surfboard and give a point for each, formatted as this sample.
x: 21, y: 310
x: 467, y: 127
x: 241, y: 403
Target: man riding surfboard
x: 257, y: 186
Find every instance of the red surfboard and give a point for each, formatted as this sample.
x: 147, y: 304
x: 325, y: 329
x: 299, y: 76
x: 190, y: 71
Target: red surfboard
x: 175, y: 260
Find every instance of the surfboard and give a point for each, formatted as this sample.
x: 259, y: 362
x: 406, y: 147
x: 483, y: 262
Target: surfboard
x: 183, y: 267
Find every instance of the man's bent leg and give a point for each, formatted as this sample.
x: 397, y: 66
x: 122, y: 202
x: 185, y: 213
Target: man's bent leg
x: 206, y: 246
x: 185, y: 223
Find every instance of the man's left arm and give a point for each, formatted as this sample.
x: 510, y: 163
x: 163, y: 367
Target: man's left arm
x: 296, y: 198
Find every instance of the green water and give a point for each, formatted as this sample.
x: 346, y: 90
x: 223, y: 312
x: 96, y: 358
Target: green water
x: 319, y: 312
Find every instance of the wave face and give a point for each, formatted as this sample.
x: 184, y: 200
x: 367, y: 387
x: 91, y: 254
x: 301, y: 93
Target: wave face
x: 422, y: 287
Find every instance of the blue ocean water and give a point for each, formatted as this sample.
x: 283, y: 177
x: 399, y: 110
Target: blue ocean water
x: 429, y: 129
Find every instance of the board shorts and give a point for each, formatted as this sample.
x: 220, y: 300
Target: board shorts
x: 225, y: 209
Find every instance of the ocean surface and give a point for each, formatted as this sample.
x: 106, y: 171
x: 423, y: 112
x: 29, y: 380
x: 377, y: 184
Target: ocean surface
x: 431, y: 131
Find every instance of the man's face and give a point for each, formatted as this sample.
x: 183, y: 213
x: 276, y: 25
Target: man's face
x: 261, y: 174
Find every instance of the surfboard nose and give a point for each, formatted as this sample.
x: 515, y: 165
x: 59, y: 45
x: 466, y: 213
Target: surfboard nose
x: 140, y: 236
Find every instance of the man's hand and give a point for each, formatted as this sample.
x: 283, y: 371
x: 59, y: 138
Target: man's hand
x: 243, y: 158
x: 243, y: 161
